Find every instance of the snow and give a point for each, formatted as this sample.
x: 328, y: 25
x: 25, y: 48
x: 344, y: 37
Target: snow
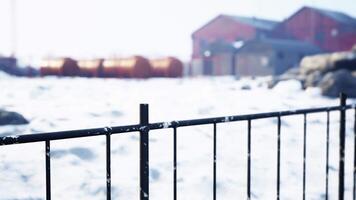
x: 166, y: 124
x: 78, y: 165
x: 4, y: 75
x: 288, y: 85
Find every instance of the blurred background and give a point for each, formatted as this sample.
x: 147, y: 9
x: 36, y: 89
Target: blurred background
x: 37, y: 30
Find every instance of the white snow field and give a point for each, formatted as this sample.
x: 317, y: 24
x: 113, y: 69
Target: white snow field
x: 78, y: 165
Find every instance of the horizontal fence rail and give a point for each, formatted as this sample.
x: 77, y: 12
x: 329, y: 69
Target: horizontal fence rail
x: 38, y: 137
x: 144, y: 127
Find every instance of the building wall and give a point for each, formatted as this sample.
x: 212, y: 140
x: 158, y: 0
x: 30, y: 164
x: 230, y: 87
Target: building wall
x: 254, y: 64
x: 220, y: 28
x: 311, y: 26
x: 196, y: 67
x: 283, y: 61
x: 263, y: 60
x: 222, y: 64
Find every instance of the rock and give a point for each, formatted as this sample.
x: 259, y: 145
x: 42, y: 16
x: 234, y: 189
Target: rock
x: 313, y: 63
x: 349, y: 63
x: 11, y: 118
x: 328, y: 62
x: 333, y: 83
x: 313, y: 79
x: 292, y: 74
x: 245, y: 87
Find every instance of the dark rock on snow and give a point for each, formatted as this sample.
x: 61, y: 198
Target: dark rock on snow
x: 11, y: 118
x: 339, y: 81
x: 245, y: 87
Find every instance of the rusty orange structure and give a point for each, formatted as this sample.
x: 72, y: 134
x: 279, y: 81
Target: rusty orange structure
x: 132, y: 67
x: 59, y: 67
x: 166, y: 67
x: 90, y: 68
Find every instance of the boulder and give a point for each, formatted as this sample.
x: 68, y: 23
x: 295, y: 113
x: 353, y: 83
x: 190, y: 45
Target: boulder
x: 333, y: 83
x: 291, y: 74
x: 349, y: 63
x: 11, y: 118
x: 313, y: 79
x: 328, y: 62
x: 313, y: 63
x: 246, y: 87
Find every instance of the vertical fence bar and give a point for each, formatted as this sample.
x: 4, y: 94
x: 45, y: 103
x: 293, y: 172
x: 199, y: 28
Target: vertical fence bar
x: 214, y: 164
x: 327, y: 155
x: 144, y: 162
x: 342, y: 146
x: 354, y: 168
x: 249, y: 159
x: 278, y: 157
x: 304, y: 153
x: 174, y: 163
x: 48, y: 170
x: 108, y: 166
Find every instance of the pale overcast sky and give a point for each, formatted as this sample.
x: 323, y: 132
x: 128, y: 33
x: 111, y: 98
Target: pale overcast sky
x: 89, y: 28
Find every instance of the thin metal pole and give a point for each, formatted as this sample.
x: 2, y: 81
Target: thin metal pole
x: 342, y: 146
x: 278, y: 157
x: 48, y: 170
x: 13, y: 27
x: 304, y: 154
x: 108, y: 167
x: 144, y: 150
x: 354, y: 168
x: 249, y: 159
x: 327, y: 156
x: 174, y: 163
x: 214, y: 164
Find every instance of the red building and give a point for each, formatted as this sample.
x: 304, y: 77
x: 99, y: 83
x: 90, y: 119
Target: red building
x: 329, y: 30
x: 216, y: 44
x: 213, y: 48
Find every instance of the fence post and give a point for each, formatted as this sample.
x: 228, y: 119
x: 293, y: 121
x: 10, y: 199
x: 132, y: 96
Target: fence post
x: 48, y: 169
x: 144, y: 164
x: 342, y: 146
x: 354, y: 167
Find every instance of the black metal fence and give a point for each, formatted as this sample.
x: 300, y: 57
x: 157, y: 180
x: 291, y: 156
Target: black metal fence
x: 145, y: 127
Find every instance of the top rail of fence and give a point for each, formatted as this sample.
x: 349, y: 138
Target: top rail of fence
x: 38, y: 137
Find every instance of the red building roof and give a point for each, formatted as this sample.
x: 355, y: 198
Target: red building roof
x: 330, y: 30
x: 227, y: 28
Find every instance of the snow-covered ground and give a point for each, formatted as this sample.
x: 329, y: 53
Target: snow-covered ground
x: 78, y: 165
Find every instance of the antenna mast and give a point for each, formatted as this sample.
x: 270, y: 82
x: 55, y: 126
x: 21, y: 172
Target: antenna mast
x: 13, y: 25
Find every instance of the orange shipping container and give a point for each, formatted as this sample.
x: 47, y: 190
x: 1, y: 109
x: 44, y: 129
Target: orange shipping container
x: 167, y: 67
x: 59, y: 67
x: 90, y: 68
x: 133, y: 67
